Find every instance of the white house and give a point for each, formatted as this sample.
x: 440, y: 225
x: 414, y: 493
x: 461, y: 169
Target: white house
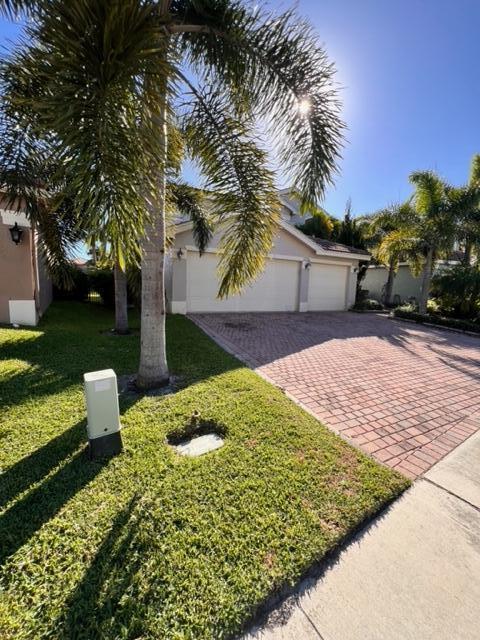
x: 301, y: 273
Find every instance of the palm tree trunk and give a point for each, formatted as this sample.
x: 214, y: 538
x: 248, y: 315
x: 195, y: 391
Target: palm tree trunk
x: 467, y: 257
x: 121, y: 313
x: 153, y: 369
x: 389, y: 285
x: 426, y: 280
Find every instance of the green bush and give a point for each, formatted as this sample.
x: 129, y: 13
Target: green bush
x: 101, y: 281
x: 452, y: 323
x: 368, y: 305
x: 457, y: 291
x: 80, y: 289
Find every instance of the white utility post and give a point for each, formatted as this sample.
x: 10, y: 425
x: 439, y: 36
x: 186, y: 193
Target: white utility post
x: 103, y: 428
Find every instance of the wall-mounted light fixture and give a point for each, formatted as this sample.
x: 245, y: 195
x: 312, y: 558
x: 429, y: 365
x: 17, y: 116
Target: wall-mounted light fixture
x: 180, y: 253
x: 308, y: 264
x: 16, y: 233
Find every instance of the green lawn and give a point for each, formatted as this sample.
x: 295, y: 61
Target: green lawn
x: 149, y: 544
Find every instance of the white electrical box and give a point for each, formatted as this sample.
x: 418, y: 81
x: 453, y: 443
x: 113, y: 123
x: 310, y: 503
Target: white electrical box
x: 101, y: 396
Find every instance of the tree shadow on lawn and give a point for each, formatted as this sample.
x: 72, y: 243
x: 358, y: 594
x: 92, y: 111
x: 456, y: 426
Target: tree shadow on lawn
x: 58, y: 356
x: 55, y: 363
x: 26, y: 516
x: 59, y: 364
x: 32, y: 468
x: 96, y: 598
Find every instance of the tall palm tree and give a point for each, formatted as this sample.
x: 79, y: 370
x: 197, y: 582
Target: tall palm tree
x: 120, y: 82
x: 466, y: 207
x: 426, y: 229
x: 381, y: 225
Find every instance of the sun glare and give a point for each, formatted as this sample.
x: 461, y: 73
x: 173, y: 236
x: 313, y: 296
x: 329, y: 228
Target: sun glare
x: 304, y: 106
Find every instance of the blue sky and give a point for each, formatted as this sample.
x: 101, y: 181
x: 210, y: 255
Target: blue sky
x: 411, y: 91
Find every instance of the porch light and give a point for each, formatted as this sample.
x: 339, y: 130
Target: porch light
x: 16, y: 233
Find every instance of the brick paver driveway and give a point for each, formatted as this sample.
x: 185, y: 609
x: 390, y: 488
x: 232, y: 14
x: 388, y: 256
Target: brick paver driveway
x: 405, y: 394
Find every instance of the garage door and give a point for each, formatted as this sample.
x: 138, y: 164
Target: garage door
x: 276, y: 289
x: 327, y: 287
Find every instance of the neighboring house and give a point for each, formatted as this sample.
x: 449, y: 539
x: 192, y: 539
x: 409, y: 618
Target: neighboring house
x: 301, y: 274
x: 406, y: 286
x: 290, y: 211
x: 25, y: 288
x: 81, y: 264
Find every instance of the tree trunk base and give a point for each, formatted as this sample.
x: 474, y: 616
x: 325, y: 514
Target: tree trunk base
x: 147, y: 384
x: 122, y: 332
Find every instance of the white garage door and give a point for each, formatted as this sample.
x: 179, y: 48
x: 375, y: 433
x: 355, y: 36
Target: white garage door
x: 327, y: 287
x: 276, y: 289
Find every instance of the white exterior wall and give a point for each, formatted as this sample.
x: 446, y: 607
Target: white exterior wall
x: 405, y: 284
x: 295, y: 278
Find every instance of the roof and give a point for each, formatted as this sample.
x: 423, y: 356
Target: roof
x: 79, y: 262
x: 320, y: 247
x: 329, y: 245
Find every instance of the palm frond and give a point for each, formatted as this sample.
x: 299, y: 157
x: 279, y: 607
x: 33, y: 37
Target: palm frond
x: 32, y: 180
x: 272, y: 65
x: 244, y: 198
x: 429, y: 192
x: 403, y: 242
x: 475, y: 171
x: 88, y: 66
x: 187, y: 200
x: 15, y: 8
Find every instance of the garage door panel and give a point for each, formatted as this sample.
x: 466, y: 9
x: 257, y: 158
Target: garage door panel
x: 276, y: 289
x: 327, y: 287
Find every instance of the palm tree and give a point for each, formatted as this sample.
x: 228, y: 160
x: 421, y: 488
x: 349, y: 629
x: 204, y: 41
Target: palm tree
x: 124, y: 85
x: 426, y: 229
x: 183, y: 200
x: 466, y: 207
x: 381, y: 225
x: 318, y: 225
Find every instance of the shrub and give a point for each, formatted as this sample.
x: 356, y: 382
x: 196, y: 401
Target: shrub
x: 433, y: 307
x: 452, y: 323
x: 80, y: 289
x: 408, y: 307
x: 457, y: 290
x: 101, y: 281
x: 368, y: 305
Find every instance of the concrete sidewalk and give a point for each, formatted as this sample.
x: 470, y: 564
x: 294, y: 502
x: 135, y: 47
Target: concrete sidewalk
x: 412, y: 574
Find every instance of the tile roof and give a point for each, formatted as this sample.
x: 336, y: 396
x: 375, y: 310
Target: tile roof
x: 329, y: 245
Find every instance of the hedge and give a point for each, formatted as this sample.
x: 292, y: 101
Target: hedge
x: 451, y: 323
x: 100, y: 281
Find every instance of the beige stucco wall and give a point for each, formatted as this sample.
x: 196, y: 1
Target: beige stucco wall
x: 16, y: 277
x: 25, y: 286
x: 405, y: 284
x: 284, y: 245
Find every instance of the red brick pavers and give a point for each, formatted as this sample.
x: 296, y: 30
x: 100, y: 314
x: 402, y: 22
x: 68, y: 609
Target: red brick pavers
x: 404, y: 393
